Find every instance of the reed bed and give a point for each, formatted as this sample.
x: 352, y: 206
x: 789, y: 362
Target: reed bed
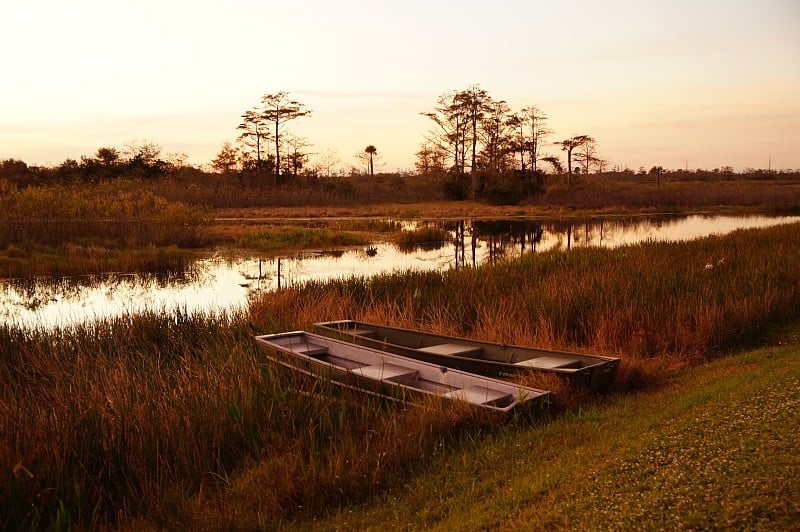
x: 222, y: 192
x: 610, y: 190
x: 173, y: 421
x: 71, y: 259
x: 112, y: 215
x: 169, y: 420
x: 287, y: 238
x: 607, y: 191
x: 422, y: 238
x: 669, y: 303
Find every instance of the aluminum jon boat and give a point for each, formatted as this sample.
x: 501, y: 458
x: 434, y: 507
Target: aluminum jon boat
x: 474, y: 356
x: 392, y: 376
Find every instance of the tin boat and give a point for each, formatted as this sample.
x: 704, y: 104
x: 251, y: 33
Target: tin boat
x: 391, y: 376
x: 474, y: 356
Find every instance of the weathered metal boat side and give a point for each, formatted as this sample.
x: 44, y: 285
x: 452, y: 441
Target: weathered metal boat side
x: 389, y: 375
x: 474, y: 356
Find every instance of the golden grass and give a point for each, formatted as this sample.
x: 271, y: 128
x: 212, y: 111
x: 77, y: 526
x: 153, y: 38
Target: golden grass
x: 676, y: 302
x: 173, y: 421
x: 110, y: 216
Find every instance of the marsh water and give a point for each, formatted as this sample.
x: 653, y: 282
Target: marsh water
x: 220, y: 284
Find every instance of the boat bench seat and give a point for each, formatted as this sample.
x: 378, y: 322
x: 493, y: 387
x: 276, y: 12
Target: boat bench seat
x: 363, y: 332
x: 388, y: 372
x: 308, y: 349
x: 481, y: 395
x: 452, y: 349
x: 550, y: 362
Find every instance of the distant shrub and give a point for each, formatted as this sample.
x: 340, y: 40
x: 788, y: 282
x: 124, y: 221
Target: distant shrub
x: 454, y: 187
x: 425, y: 238
x: 514, y: 187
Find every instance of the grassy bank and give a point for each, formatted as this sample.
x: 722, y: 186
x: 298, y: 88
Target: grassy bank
x: 73, y: 260
x: 715, y: 448
x: 171, y: 421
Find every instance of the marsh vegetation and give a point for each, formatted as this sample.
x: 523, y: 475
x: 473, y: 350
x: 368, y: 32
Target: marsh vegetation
x: 172, y: 420
x: 53, y: 223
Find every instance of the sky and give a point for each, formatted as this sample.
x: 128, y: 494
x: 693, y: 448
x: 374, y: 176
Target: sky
x: 680, y: 84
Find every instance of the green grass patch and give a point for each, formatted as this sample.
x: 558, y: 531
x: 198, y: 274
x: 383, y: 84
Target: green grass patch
x: 287, y: 238
x: 716, y: 449
x: 422, y: 238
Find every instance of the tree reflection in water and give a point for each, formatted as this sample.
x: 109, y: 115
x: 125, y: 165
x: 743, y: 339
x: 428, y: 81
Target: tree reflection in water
x: 222, y: 284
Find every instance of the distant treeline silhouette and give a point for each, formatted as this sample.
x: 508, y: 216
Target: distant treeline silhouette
x: 478, y: 148
x: 176, y: 181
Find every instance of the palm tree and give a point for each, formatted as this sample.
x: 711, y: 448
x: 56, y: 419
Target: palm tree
x: 371, y: 150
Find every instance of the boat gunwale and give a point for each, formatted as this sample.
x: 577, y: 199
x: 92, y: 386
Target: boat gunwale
x: 601, y: 359
x: 597, y: 375
x: 522, y: 396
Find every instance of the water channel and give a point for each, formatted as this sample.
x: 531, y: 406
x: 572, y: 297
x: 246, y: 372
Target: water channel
x: 220, y: 284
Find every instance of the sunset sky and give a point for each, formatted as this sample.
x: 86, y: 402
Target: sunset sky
x: 700, y: 83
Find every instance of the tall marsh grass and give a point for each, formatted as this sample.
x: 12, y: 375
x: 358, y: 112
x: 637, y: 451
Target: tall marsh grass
x: 610, y: 191
x: 221, y: 191
x: 173, y: 421
x: 596, y: 192
x: 424, y: 238
x: 119, y: 214
x: 282, y: 238
x: 682, y: 301
x: 72, y: 259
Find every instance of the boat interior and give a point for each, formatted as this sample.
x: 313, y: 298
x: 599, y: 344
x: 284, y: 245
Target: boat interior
x: 480, y: 394
x: 516, y: 357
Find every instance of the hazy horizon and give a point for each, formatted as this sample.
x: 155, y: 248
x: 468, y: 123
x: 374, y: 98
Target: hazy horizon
x: 678, y: 84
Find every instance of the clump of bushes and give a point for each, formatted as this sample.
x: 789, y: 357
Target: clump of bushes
x: 111, y: 216
x: 422, y: 238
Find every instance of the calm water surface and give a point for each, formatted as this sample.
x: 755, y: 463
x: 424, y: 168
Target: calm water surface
x: 219, y: 284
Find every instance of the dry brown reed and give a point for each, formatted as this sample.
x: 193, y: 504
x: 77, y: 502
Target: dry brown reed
x: 112, y: 215
x: 597, y: 192
x: 674, y: 302
x: 253, y: 191
x: 173, y: 421
x: 177, y: 419
x: 77, y: 260
x: 609, y: 191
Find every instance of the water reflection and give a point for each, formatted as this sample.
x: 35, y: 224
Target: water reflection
x: 222, y: 284
x: 63, y: 301
x: 487, y: 240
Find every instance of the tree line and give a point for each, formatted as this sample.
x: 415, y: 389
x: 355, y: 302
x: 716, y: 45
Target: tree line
x: 477, y: 147
x: 143, y: 160
x: 486, y: 147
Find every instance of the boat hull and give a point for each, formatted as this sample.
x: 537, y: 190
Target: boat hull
x: 388, y: 375
x: 483, y: 358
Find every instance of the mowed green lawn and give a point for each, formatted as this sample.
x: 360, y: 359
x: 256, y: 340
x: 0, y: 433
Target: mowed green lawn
x: 714, y: 447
